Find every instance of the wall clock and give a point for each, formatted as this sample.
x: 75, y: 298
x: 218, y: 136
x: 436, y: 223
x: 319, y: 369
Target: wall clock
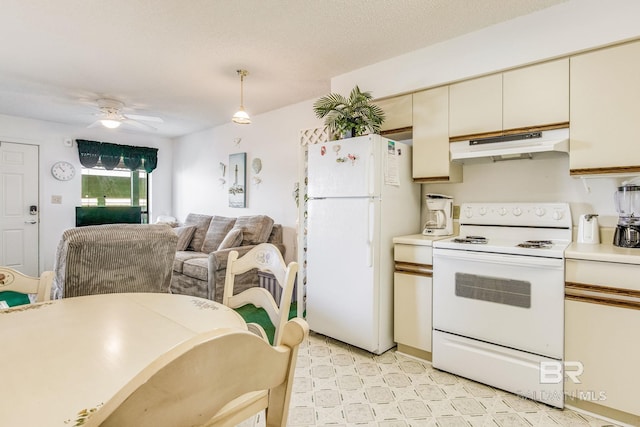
x: 63, y: 171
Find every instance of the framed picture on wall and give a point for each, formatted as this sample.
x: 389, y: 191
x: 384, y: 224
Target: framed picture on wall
x: 237, y: 178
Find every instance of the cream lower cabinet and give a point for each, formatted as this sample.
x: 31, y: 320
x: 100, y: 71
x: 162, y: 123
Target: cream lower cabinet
x: 605, y: 107
x: 431, y: 158
x: 412, y: 291
x: 602, y: 348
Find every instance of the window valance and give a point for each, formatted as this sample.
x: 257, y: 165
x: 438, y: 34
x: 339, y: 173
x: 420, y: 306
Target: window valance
x: 110, y: 155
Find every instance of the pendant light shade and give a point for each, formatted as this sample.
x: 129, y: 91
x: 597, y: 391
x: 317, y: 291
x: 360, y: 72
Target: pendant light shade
x: 241, y: 116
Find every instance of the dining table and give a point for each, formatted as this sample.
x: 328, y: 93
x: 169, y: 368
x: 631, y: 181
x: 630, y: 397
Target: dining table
x: 62, y: 359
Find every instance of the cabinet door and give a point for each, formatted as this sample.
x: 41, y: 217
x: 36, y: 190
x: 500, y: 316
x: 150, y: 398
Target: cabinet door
x: 412, y: 310
x: 602, y: 317
x: 601, y: 338
x: 536, y: 95
x: 476, y: 106
x: 397, y: 111
x: 605, y: 111
x: 431, y: 137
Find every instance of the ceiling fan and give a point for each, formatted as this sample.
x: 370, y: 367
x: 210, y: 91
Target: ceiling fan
x: 111, y: 116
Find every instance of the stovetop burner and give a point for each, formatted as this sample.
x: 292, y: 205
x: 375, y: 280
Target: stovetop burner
x: 542, y: 244
x: 477, y: 240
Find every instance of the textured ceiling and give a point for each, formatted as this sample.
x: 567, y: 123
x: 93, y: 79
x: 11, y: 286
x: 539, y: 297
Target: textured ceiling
x: 176, y: 59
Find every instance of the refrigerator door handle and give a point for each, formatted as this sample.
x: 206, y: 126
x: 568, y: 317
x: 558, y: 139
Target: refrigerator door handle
x: 371, y: 175
x: 370, y: 224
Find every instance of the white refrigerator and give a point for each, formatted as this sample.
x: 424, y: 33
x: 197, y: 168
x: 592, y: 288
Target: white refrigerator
x: 361, y: 195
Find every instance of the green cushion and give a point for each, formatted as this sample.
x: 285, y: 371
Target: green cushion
x: 14, y: 298
x: 252, y: 314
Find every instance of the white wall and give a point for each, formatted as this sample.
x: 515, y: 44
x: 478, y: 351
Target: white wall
x: 561, y: 30
x: 49, y: 136
x: 274, y: 138
x: 545, y: 178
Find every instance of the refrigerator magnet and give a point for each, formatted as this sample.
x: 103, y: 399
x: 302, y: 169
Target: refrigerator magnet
x: 323, y: 150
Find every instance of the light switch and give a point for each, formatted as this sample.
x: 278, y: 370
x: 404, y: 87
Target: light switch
x: 56, y: 200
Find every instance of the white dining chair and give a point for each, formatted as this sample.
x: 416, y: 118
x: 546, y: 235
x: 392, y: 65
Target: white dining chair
x: 15, y: 281
x: 218, y: 378
x: 264, y: 257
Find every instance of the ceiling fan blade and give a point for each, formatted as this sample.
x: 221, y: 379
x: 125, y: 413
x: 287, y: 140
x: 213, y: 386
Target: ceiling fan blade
x: 144, y: 118
x: 138, y: 124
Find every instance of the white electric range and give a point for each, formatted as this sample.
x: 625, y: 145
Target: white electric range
x: 498, y: 297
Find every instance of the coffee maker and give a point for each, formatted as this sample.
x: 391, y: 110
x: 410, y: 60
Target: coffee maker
x: 627, y: 199
x: 439, y: 215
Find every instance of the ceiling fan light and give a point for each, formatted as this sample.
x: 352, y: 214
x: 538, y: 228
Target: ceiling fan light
x: 110, y: 123
x: 241, y: 117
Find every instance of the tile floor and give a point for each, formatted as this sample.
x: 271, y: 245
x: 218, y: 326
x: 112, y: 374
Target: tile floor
x: 340, y: 385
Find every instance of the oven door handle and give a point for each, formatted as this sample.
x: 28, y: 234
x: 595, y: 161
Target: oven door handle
x: 526, y: 261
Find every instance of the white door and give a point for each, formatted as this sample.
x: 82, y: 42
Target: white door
x: 341, y: 286
x: 513, y: 301
x: 19, y: 207
x: 344, y: 168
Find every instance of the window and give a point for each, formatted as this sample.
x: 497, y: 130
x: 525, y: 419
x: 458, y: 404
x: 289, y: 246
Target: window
x: 117, y: 187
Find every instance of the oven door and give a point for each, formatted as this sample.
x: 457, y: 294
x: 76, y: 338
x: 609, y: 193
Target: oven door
x: 510, y: 300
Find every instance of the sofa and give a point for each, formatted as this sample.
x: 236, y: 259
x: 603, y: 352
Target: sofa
x: 102, y: 259
x: 204, y: 244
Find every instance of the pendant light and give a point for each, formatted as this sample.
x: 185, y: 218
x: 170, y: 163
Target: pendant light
x: 241, y: 117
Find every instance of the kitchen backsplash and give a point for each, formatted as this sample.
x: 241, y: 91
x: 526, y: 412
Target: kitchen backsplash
x: 545, y: 178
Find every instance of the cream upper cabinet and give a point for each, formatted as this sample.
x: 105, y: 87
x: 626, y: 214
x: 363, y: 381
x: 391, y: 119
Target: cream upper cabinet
x: 536, y: 95
x: 431, y: 160
x: 397, y: 111
x: 476, y: 106
x: 605, y: 111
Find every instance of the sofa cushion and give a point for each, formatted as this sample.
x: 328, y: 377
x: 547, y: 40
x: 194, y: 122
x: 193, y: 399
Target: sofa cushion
x: 202, y: 225
x: 185, y: 234
x: 182, y: 256
x: 255, y: 229
x: 232, y: 239
x: 218, y: 229
x: 197, y: 268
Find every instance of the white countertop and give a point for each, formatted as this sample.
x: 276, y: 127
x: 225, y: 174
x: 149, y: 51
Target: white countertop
x: 418, y: 239
x: 603, y: 252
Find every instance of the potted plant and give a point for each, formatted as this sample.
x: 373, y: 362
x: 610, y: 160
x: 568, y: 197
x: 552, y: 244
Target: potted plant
x: 349, y: 117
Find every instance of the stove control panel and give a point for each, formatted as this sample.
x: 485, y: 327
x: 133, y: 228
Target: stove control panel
x: 517, y: 214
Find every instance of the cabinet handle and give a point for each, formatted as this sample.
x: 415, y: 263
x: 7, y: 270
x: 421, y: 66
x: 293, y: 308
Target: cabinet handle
x: 603, y: 295
x: 417, y: 269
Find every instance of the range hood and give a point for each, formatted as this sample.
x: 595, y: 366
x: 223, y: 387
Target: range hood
x: 516, y: 146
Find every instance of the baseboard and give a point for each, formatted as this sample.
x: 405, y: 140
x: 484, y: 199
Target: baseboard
x: 414, y: 352
x: 603, y: 412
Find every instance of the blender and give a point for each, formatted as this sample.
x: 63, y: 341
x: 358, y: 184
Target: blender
x: 439, y: 215
x: 627, y: 199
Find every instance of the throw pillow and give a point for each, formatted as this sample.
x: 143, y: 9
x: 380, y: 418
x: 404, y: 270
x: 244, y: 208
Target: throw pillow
x: 218, y: 229
x: 185, y: 234
x: 255, y: 229
x: 202, y: 225
x: 232, y: 239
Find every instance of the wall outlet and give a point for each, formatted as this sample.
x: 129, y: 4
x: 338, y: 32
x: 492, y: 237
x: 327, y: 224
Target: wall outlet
x: 56, y: 200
